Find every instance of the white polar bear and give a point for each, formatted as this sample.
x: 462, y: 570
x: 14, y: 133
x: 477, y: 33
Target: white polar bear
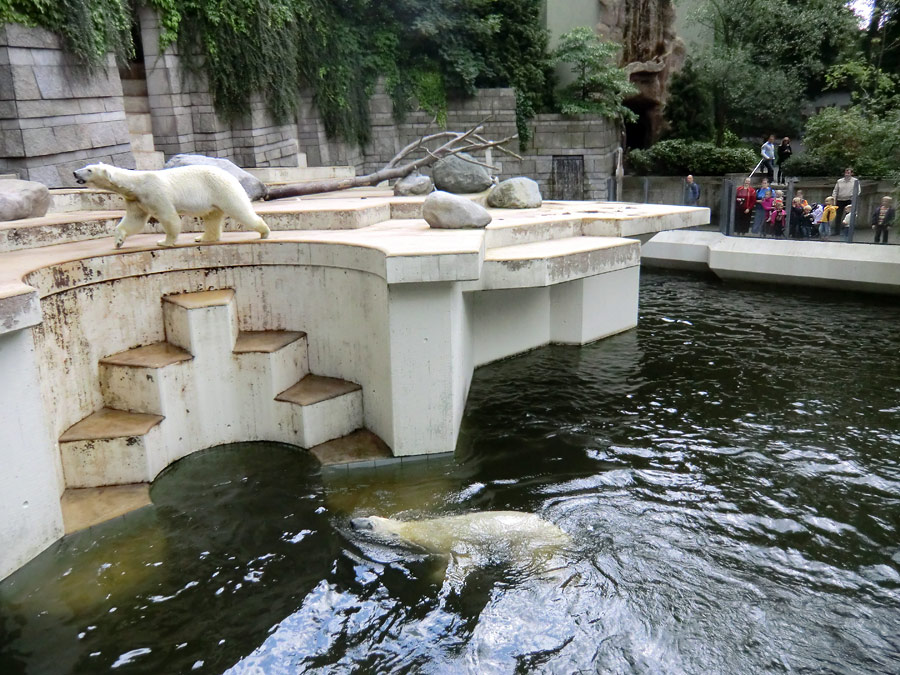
x: 510, y: 535
x: 205, y: 191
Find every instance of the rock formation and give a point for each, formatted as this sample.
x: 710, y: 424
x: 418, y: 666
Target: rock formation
x: 651, y: 52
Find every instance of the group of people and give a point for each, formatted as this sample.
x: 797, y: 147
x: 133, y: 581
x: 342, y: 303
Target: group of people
x: 772, y: 154
x: 763, y: 211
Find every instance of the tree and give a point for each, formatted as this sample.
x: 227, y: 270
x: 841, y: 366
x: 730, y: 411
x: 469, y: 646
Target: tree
x: 853, y: 137
x: 600, y: 85
x: 689, y: 109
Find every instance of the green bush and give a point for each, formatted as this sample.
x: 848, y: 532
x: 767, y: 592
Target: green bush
x: 809, y: 164
x: 679, y: 157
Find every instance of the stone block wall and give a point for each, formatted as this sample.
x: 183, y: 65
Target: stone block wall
x: 595, y: 139
x: 185, y: 121
x: 55, y: 116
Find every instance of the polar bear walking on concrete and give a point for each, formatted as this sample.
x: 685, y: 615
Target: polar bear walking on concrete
x: 167, y: 194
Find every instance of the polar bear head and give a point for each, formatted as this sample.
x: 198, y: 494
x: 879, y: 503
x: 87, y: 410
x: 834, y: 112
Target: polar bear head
x: 385, y: 527
x: 93, y: 174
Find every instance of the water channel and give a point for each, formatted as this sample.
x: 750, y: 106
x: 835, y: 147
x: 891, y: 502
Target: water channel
x: 729, y: 473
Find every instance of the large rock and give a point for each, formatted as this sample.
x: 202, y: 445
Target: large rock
x: 515, y: 193
x: 252, y: 185
x: 443, y: 210
x: 454, y: 174
x: 413, y: 185
x: 23, y: 199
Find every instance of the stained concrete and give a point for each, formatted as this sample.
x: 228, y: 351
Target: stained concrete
x: 86, y: 507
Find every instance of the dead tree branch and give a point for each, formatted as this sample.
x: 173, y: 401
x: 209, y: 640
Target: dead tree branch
x: 459, y: 141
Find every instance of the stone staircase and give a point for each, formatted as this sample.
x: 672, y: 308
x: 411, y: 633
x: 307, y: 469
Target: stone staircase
x: 140, y: 126
x: 208, y: 383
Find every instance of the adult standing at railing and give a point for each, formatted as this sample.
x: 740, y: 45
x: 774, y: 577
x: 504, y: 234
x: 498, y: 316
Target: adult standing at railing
x: 843, y: 194
x: 784, y: 152
x: 745, y: 201
x: 759, y: 213
x: 691, y: 192
x: 882, y: 219
x: 768, y: 157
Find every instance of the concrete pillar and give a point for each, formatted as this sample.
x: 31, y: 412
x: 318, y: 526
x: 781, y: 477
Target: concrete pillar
x: 29, y: 486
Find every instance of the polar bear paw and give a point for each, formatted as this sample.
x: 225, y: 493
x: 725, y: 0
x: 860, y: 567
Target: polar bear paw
x: 165, y: 243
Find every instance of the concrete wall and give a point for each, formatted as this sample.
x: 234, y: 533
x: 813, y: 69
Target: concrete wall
x: 56, y: 117
x: 29, y: 482
x: 593, y: 138
x: 185, y: 121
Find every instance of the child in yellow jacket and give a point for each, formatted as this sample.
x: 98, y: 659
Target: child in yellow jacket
x: 827, y: 220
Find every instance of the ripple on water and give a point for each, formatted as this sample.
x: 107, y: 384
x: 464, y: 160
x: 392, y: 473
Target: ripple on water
x: 729, y: 474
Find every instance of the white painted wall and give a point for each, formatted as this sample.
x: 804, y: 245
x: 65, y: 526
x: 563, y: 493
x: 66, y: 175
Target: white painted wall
x: 29, y: 490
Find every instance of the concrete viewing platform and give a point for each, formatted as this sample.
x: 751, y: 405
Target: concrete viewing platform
x: 352, y: 331
x: 836, y: 265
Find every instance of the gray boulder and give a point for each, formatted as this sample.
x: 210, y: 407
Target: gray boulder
x: 252, y: 185
x: 412, y: 185
x: 515, y: 193
x: 23, y: 199
x: 443, y: 210
x: 454, y: 174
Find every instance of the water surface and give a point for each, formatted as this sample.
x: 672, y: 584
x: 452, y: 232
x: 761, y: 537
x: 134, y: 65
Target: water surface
x: 728, y: 473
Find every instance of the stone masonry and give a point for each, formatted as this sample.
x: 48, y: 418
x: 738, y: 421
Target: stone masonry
x: 55, y: 116
x: 594, y: 139
x: 185, y: 121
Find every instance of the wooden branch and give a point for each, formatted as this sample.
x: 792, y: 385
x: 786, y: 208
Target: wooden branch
x: 470, y: 140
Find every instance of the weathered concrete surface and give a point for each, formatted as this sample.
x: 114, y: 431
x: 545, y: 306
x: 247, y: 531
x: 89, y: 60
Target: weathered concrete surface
x: 381, y: 303
x: 86, y: 507
x: 859, y: 267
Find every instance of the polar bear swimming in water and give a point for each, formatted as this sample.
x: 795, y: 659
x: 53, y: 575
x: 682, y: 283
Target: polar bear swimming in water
x: 206, y: 191
x: 474, y: 539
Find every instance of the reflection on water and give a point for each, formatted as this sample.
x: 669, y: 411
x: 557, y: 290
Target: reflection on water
x: 728, y: 474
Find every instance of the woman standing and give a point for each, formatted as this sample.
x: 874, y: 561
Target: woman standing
x: 759, y: 214
x: 743, y: 210
x: 784, y: 153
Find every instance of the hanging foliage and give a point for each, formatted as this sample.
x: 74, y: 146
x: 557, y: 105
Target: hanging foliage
x: 427, y: 50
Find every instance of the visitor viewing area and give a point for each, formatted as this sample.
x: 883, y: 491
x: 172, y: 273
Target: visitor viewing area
x: 353, y: 330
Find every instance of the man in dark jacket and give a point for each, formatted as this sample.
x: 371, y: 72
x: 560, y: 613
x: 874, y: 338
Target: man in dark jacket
x: 882, y: 219
x: 691, y: 192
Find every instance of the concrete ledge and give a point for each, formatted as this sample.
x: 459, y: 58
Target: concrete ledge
x: 863, y: 267
x: 859, y: 267
x: 680, y: 250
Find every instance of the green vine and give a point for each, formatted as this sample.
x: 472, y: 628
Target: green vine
x: 428, y: 51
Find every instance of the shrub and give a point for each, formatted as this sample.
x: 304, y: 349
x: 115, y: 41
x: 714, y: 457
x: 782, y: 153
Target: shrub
x: 678, y: 157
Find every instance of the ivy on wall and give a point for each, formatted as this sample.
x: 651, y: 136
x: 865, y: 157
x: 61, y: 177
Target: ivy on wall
x: 427, y: 50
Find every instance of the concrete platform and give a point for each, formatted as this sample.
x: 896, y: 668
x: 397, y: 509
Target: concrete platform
x: 863, y: 267
x: 345, y: 287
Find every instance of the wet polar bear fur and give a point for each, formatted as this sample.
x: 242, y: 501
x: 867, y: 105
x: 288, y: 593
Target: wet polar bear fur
x: 510, y: 535
x: 205, y: 191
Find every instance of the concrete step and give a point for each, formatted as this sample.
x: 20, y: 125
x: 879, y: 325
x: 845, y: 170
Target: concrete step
x: 139, y: 123
x: 112, y: 447
x: 134, y: 87
x: 136, y: 104
x: 205, y: 320
x: 132, y: 380
x: 323, y: 408
x: 141, y: 143
x: 362, y: 447
x: 270, y: 361
x: 149, y: 161
x: 86, y: 507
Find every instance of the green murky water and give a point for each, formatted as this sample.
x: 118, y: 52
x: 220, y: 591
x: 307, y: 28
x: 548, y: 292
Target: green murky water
x: 728, y: 473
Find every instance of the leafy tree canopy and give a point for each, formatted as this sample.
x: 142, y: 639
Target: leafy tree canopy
x: 600, y: 85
